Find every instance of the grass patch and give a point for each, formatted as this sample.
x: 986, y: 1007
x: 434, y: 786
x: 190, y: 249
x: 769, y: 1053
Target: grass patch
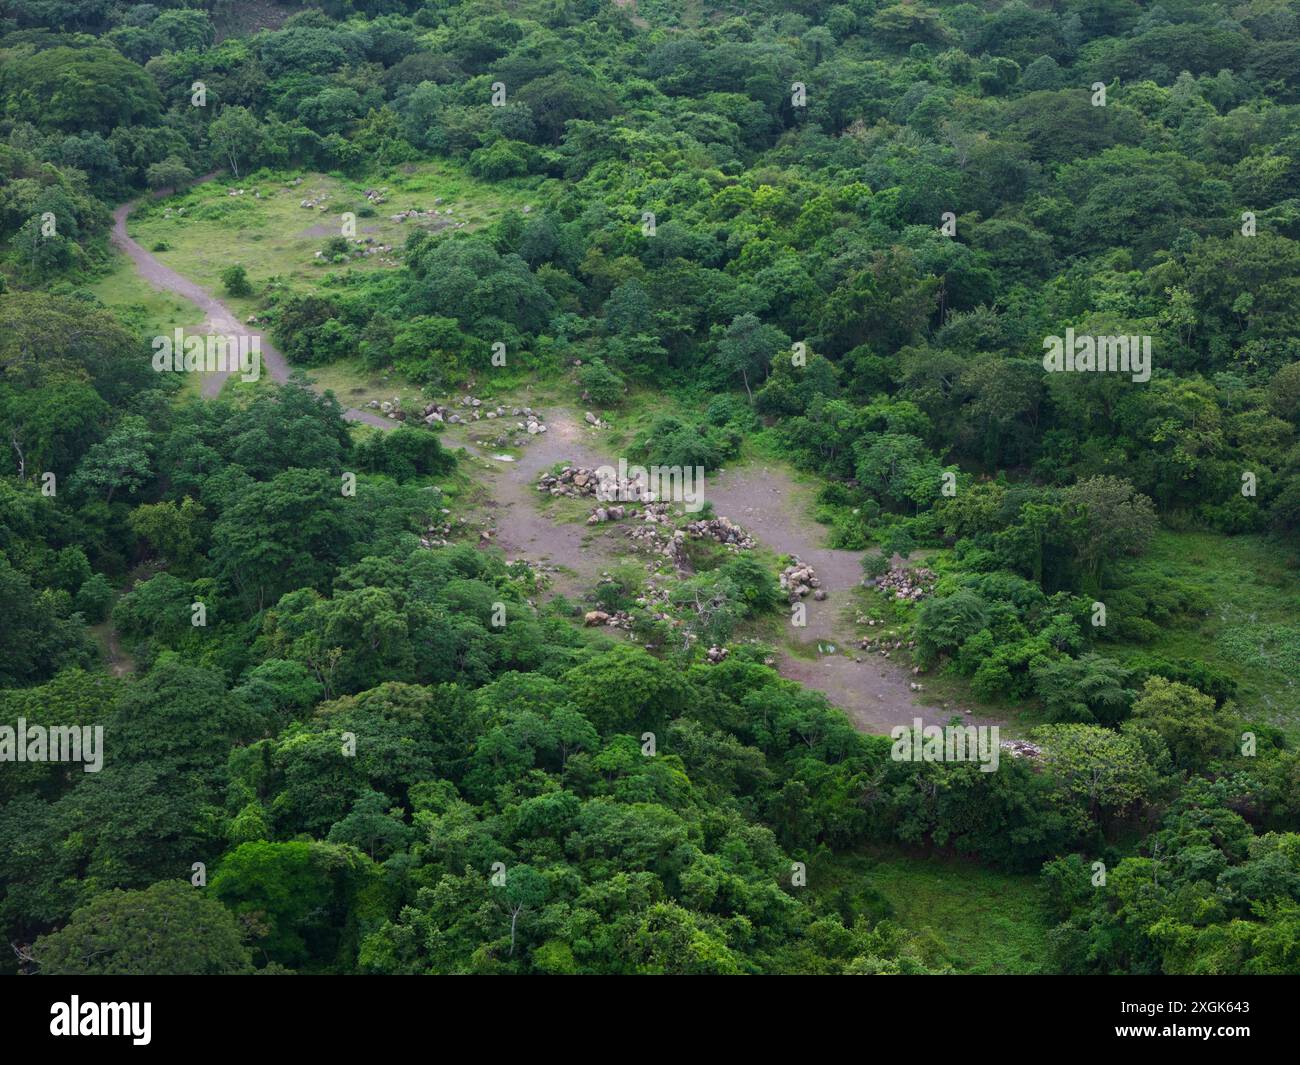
x: 1249, y: 631
x: 267, y: 230
x: 145, y: 311
x: 989, y: 922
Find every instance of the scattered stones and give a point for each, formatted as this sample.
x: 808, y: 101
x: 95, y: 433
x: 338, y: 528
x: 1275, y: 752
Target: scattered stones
x: 416, y: 215
x: 1020, y: 748
x: 886, y: 645
x: 620, y: 619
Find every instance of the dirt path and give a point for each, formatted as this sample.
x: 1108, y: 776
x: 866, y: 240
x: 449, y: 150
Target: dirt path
x: 218, y: 318
x: 764, y: 498
x: 523, y: 530
x: 874, y: 692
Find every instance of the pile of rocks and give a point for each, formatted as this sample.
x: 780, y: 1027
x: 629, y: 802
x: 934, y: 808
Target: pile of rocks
x: 654, y: 513
x: 909, y: 584
x: 603, y: 514
x: 619, y: 619
x: 724, y: 531
x: 1020, y: 748
x: 662, y: 539
x: 316, y: 201
x: 799, y: 579
x: 572, y: 481
x: 436, y: 535
x: 415, y: 213
x: 436, y: 412
x: 376, y: 196
x: 655, y: 596
x: 716, y: 654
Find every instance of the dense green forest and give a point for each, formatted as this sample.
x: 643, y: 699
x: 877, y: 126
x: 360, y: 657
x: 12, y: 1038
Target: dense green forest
x: 344, y: 732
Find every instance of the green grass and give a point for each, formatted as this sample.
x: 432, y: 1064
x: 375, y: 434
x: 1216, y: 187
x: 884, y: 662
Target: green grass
x: 988, y: 922
x: 355, y: 386
x: 276, y: 239
x: 146, y: 311
x: 206, y: 229
x: 1250, y: 630
x: 138, y: 304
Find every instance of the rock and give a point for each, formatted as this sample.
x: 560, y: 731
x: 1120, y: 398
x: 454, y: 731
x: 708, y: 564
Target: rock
x: 595, y: 617
x: 591, y: 419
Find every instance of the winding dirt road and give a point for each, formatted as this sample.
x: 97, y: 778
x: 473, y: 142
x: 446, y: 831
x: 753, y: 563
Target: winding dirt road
x: 218, y: 318
x: 764, y: 499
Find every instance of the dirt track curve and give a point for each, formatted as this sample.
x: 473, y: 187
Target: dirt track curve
x: 765, y: 500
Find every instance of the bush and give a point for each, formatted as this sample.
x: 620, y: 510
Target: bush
x: 94, y: 598
x: 336, y: 248
x: 235, y: 281
x: 673, y: 441
x: 603, y: 386
x: 404, y: 453
x: 944, y: 624
x: 875, y: 566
